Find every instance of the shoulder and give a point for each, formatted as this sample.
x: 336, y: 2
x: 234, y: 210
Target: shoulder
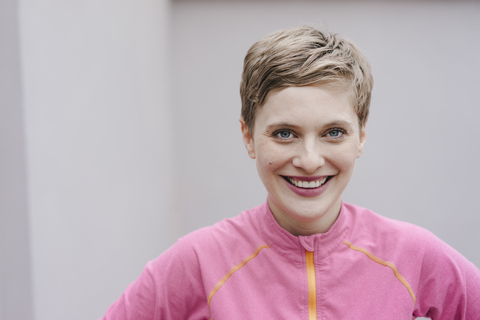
x: 444, y: 282
x: 369, y: 225
x: 228, y: 233
x: 415, y: 250
x: 229, y: 239
x: 400, y: 241
x: 203, y: 257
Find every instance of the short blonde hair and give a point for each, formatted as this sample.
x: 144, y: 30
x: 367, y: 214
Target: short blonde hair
x: 300, y: 57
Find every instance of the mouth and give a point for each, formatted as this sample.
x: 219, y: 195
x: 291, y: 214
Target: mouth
x: 311, y: 184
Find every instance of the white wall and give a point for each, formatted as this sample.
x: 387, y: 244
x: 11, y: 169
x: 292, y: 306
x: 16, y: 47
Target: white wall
x: 421, y: 159
x: 98, y: 144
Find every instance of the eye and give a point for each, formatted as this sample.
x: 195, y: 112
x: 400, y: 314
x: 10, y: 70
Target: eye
x: 283, y: 134
x: 336, y: 133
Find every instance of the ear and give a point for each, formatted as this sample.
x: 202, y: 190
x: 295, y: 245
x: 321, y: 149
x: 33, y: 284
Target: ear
x: 363, y: 139
x: 247, y: 139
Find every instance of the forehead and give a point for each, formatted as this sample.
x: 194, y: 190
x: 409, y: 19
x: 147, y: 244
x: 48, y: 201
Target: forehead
x: 308, y: 105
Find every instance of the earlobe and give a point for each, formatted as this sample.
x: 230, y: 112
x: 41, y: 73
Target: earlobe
x: 363, y: 139
x: 247, y: 139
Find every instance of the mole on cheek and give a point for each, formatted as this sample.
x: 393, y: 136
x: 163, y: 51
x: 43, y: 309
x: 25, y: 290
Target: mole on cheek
x: 270, y: 162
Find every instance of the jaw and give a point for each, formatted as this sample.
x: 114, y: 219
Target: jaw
x: 304, y: 219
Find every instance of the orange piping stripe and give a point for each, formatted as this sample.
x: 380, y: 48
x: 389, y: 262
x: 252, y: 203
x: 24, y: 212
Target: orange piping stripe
x: 237, y: 267
x: 312, y: 286
x: 387, y: 264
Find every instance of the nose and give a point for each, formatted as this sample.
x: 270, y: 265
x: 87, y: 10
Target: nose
x: 309, y: 156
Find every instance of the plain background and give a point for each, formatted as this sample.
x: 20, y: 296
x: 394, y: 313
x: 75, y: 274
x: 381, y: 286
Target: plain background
x: 119, y: 131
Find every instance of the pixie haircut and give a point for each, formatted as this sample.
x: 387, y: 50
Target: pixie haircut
x: 300, y: 57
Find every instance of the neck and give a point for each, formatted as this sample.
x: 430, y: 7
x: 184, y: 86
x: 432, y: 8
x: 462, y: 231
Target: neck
x: 320, y: 223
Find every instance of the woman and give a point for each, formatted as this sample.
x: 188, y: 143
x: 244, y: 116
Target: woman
x: 304, y: 254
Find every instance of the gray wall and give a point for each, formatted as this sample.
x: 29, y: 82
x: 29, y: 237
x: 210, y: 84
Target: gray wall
x: 422, y: 153
x: 15, y: 259
x: 119, y: 132
x: 85, y: 144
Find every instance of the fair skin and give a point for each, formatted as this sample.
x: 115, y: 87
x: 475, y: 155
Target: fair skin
x: 305, y: 142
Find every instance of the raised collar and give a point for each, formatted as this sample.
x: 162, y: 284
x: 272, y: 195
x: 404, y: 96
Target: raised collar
x: 322, y: 244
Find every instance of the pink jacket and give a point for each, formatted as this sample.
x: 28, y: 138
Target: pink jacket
x: 248, y: 267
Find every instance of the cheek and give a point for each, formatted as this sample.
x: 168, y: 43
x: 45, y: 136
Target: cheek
x: 271, y: 157
x: 346, y: 158
x: 342, y: 155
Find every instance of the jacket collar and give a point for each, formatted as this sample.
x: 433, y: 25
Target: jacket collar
x: 322, y: 244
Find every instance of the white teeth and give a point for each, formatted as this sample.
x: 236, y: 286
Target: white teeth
x: 307, y: 184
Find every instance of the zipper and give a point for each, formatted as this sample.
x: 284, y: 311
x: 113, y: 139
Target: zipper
x: 312, y: 286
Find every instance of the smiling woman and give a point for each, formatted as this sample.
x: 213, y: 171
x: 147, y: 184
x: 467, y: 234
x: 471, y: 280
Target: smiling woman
x: 305, y: 254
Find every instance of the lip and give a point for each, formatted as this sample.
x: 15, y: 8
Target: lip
x: 308, y: 192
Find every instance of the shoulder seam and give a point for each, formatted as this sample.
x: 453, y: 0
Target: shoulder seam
x: 232, y: 270
x: 384, y: 263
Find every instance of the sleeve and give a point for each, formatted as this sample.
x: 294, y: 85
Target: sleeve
x: 449, y: 285
x: 170, y: 287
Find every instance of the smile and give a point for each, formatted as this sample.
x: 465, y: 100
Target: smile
x: 306, y: 184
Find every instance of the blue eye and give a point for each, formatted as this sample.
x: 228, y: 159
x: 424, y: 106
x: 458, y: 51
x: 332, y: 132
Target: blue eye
x: 283, y: 134
x: 335, y: 133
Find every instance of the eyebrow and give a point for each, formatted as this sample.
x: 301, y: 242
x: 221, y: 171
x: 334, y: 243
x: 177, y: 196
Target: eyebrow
x: 281, y: 124
x: 329, y: 124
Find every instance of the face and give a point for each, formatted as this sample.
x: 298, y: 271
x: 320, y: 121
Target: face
x: 305, y: 141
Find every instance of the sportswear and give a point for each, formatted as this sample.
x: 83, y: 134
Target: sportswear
x: 248, y: 267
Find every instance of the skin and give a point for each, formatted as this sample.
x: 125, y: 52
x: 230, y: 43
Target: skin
x: 304, y: 132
